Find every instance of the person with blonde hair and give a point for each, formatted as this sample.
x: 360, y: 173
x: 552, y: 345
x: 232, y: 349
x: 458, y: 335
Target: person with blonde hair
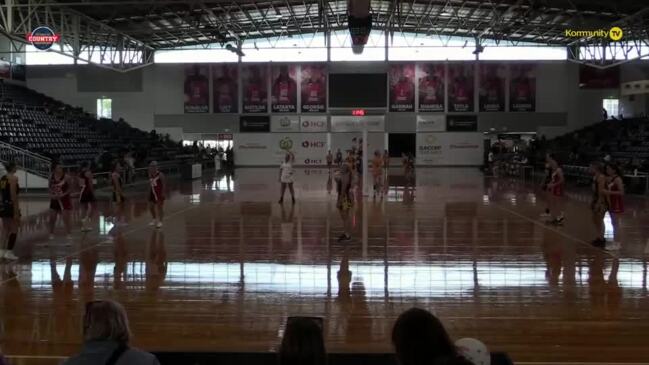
x: 106, y: 336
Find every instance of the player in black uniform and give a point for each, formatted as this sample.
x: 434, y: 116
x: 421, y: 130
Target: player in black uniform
x: 9, y: 211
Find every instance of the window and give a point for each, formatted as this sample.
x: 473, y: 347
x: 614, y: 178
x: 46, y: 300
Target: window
x: 104, y: 108
x: 611, y: 106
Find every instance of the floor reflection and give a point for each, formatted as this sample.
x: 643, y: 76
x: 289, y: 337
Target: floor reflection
x: 233, y: 263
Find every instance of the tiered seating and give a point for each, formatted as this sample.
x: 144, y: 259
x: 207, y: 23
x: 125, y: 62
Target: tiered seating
x: 626, y: 141
x: 45, y: 126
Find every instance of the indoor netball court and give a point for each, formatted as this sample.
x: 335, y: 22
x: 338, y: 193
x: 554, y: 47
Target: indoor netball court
x: 191, y: 181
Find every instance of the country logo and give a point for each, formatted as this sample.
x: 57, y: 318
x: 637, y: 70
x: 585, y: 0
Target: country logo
x: 43, y: 38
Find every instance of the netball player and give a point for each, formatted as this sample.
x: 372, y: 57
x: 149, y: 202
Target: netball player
x: 615, y: 196
x: 286, y: 177
x: 345, y: 200
x: 87, y: 198
x: 339, y: 158
x: 156, y: 195
x: 555, y: 191
x: 117, y: 182
x: 9, y: 211
x: 377, y: 173
x: 330, y: 160
x: 60, y: 201
x: 599, y: 203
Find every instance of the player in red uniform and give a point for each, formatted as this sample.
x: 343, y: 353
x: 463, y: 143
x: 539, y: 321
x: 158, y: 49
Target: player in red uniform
x: 87, y: 198
x: 615, y: 195
x: 614, y: 189
x: 156, y: 194
x: 60, y: 201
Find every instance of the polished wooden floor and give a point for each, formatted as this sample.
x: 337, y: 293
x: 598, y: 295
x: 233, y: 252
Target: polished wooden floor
x: 231, y: 264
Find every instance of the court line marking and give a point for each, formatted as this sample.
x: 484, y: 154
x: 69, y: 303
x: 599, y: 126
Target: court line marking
x: 105, y: 241
x: 557, y: 231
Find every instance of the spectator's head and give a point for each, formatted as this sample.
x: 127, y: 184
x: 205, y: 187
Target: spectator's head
x: 474, y: 351
x: 419, y: 338
x: 57, y: 169
x: 117, y: 167
x: 10, y: 167
x: 597, y: 168
x: 613, y: 170
x: 303, y: 343
x: 377, y: 153
x: 153, y: 167
x: 106, y: 320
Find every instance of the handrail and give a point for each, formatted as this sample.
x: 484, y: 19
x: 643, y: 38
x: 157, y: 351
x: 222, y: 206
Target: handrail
x: 27, y: 152
x: 28, y: 161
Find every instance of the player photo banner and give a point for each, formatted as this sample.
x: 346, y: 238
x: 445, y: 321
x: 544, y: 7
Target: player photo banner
x: 492, y: 87
x: 431, y: 78
x: 313, y: 86
x: 254, y: 85
x: 402, y: 87
x: 197, y: 91
x: 284, y: 89
x: 225, y: 87
x: 460, y: 87
x: 522, y: 88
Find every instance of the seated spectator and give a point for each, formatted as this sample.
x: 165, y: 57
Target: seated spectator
x: 419, y: 338
x: 303, y: 343
x: 106, y: 336
x: 474, y: 351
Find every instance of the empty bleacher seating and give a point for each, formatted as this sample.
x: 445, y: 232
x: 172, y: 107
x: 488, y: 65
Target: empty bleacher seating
x: 42, y: 125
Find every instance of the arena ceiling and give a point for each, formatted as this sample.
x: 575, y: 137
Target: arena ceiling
x: 162, y: 24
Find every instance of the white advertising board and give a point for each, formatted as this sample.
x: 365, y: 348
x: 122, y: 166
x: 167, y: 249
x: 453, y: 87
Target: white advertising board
x: 431, y: 123
x: 284, y: 123
x: 269, y: 149
x: 450, y: 149
x: 373, y: 123
x: 313, y: 123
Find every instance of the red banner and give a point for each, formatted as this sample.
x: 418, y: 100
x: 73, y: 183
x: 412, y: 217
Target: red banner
x: 225, y: 86
x: 522, y: 88
x: 313, y: 83
x: 492, y: 87
x: 431, y: 78
x: 402, y: 87
x: 254, y: 84
x: 461, y: 92
x: 197, y: 91
x: 284, y: 89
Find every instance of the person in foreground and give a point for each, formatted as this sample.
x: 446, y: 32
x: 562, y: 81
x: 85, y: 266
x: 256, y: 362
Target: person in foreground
x: 303, y: 343
x: 419, y: 338
x: 106, y: 336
